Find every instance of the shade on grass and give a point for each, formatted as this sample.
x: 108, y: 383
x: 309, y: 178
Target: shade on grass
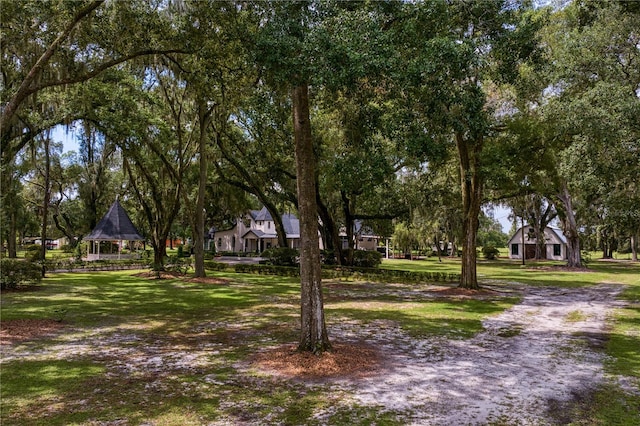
x: 256, y: 309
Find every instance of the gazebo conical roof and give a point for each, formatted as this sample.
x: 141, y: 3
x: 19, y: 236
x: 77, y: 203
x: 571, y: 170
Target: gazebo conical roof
x: 115, y: 225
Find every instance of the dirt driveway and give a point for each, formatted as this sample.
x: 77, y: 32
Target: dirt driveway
x: 540, y: 354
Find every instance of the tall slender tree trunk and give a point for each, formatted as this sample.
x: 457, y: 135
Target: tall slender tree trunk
x: 349, y: 225
x: 198, y: 238
x: 12, y: 235
x: 313, y: 333
x: 570, y: 227
x: 634, y: 247
x: 45, y: 202
x: 471, y: 186
x: 281, y: 233
x: 331, y: 234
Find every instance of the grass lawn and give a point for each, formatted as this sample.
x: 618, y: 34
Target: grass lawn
x: 218, y: 326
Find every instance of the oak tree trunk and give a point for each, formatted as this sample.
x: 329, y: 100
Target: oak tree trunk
x: 46, y: 201
x: 11, y: 240
x: 331, y: 237
x: 471, y: 188
x: 570, y: 227
x: 159, y: 251
x: 313, y: 333
x: 198, y: 237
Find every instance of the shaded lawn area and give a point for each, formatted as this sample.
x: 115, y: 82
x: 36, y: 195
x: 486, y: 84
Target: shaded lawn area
x: 174, y: 352
x: 532, y: 273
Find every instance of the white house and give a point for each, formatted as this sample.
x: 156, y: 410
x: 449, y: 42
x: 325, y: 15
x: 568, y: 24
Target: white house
x: 256, y: 232
x: 555, y: 243
x: 365, y: 239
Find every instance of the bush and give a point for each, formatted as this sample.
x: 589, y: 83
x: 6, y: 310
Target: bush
x: 339, y: 272
x: 366, y: 259
x: 178, y: 264
x: 66, y: 248
x: 215, y: 266
x: 283, y: 271
x: 281, y: 256
x: 15, y: 272
x: 81, y: 248
x: 490, y: 252
x: 33, y: 252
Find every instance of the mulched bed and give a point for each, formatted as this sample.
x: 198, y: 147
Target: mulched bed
x: 169, y: 275
x: 164, y: 275
x: 344, y: 360
x: 463, y: 292
x: 19, y: 330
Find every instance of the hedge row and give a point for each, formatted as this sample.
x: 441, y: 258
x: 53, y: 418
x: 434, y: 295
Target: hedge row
x: 391, y: 274
x: 373, y: 274
x: 94, y: 265
x: 16, y: 272
x: 216, y: 266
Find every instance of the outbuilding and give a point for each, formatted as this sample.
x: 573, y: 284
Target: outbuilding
x: 555, y: 243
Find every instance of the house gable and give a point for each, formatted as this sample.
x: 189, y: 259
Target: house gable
x: 555, y: 243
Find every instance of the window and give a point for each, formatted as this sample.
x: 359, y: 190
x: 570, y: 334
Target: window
x: 557, y: 250
x: 514, y: 249
x: 268, y: 225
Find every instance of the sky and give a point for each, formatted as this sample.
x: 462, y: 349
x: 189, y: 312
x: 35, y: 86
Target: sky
x: 501, y: 214
x: 68, y: 138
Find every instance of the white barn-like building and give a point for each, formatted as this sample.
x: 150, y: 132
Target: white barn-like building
x: 555, y: 244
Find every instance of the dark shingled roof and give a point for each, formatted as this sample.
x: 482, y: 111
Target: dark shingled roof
x: 115, y: 225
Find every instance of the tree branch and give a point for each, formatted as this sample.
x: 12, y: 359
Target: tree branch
x: 24, y: 90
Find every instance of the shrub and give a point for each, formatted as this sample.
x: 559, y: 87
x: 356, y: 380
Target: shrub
x: 366, y: 259
x: 585, y: 257
x: 66, y: 248
x: 33, y: 252
x: 215, y: 266
x: 281, y: 256
x: 328, y: 257
x: 15, y: 272
x: 284, y: 271
x: 490, y: 252
x: 81, y: 249
x: 178, y: 264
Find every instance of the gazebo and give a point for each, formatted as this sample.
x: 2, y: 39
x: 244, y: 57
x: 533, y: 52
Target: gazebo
x: 115, y: 226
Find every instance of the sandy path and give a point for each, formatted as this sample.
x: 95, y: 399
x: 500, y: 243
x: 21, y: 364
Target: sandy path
x: 543, y: 349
